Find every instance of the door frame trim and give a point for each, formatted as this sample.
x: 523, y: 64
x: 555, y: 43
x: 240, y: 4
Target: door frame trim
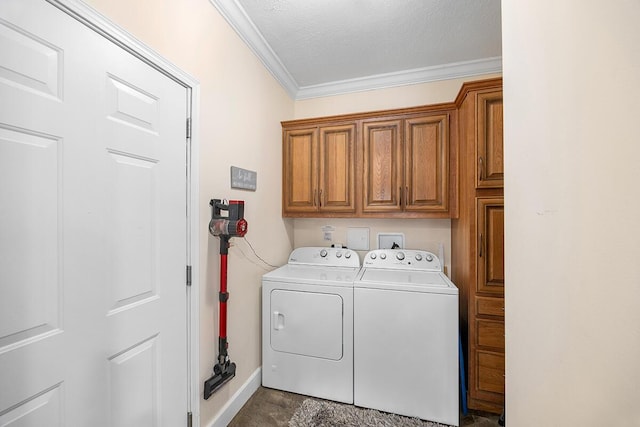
x: 116, y: 34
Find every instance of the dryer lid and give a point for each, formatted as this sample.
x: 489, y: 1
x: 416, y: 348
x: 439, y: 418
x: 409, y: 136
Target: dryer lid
x: 315, y: 275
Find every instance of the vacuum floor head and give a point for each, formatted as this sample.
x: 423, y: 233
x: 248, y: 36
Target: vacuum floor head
x: 222, y: 375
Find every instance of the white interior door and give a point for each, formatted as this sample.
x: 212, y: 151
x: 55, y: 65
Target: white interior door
x: 93, y: 305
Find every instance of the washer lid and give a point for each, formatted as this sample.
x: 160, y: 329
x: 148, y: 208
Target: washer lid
x: 315, y: 275
x: 405, y: 280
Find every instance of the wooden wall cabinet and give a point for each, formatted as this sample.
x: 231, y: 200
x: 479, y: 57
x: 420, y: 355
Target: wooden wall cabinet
x: 383, y: 166
x: 477, y: 242
x: 489, y: 147
x: 390, y: 164
x: 319, y: 170
x: 406, y: 165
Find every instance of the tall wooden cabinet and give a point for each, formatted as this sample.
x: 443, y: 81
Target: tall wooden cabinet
x: 477, y: 241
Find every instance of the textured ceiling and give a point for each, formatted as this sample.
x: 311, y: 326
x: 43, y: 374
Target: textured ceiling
x: 338, y: 46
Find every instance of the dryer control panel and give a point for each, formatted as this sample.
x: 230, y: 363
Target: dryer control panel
x: 329, y: 257
x: 407, y: 259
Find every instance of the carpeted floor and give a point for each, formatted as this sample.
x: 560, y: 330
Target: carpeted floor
x: 276, y: 408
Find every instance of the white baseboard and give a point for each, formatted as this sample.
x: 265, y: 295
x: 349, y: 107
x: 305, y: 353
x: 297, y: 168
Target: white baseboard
x: 237, y: 401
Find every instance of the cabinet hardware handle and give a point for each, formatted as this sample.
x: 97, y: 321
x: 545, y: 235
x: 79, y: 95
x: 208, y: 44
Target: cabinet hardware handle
x: 481, y: 168
x: 315, y: 196
x: 481, y: 245
x: 320, y: 198
x: 406, y: 195
x: 400, y: 196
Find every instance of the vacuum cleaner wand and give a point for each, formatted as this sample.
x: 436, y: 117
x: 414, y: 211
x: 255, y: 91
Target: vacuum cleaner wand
x: 225, y: 227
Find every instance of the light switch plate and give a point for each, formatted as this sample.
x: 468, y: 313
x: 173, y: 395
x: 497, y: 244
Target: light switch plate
x: 387, y: 240
x: 358, y: 238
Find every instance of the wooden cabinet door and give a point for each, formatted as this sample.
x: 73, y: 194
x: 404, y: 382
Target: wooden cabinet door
x: 300, y: 171
x: 382, y: 149
x: 426, y: 164
x: 336, y: 188
x: 489, y: 143
x: 490, y: 250
x: 488, y: 381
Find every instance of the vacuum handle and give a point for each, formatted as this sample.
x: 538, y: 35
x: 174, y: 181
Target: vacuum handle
x: 278, y: 320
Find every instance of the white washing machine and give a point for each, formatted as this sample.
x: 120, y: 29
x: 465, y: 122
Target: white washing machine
x: 307, y: 323
x: 406, y: 336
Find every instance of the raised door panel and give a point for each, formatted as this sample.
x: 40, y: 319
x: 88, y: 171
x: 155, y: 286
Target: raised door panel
x: 490, y: 155
x: 490, y: 376
x: 426, y: 164
x: 490, y: 333
x: 382, y: 166
x: 299, y: 176
x: 490, y: 269
x: 490, y: 306
x: 337, y: 185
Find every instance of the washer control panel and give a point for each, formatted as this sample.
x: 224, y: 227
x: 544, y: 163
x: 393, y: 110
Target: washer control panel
x: 332, y: 257
x: 402, y: 258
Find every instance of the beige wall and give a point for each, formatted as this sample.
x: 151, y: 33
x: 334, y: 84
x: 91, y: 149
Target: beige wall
x: 572, y: 158
x: 426, y: 234
x: 240, y: 112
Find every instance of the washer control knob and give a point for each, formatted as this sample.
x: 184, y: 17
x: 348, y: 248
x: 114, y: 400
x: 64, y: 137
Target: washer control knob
x: 418, y: 257
x: 429, y: 258
x: 373, y: 256
x: 400, y: 255
x: 347, y: 255
x: 338, y: 254
x: 323, y: 253
x: 383, y: 256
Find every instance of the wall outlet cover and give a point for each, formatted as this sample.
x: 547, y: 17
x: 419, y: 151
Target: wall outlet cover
x: 390, y: 240
x: 358, y: 238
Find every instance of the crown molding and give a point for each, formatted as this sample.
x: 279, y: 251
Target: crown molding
x: 402, y: 78
x: 235, y: 15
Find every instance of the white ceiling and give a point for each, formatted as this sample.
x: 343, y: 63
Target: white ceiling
x: 326, y: 47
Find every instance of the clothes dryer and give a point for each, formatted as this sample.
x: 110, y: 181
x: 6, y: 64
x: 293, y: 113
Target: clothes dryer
x: 406, y: 336
x: 307, y: 323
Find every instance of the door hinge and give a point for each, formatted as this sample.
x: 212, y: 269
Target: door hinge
x: 188, y: 275
x: 189, y: 419
x: 188, y: 127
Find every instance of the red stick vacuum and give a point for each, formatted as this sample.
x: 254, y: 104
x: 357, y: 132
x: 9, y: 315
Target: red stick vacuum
x: 224, y: 227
